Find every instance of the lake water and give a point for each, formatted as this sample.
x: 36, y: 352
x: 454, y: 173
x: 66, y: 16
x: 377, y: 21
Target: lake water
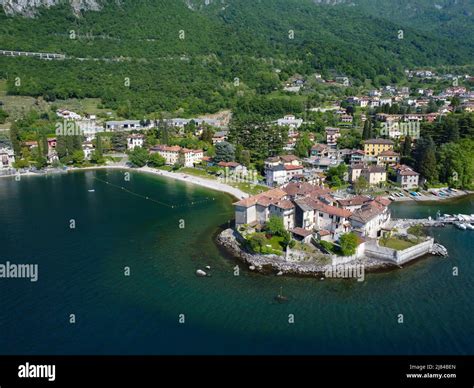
x: 81, y: 272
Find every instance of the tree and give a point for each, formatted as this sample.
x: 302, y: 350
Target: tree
x: 367, y: 132
x: 361, y: 185
x: 335, y: 175
x: 138, y: 157
x: 417, y: 231
x: 275, y: 226
x: 156, y: 160
x: 257, y: 241
x: 61, y: 147
x: 406, y: 147
x: 225, y: 152
x: 15, y: 139
x: 425, y: 156
x: 348, y: 243
x: 78, y: 158
x: 40, y: 161
x: 207, y: 134
x: 97, y: 157
x: 303, y: 145
x: 118, y: 141
x: 43, y: 144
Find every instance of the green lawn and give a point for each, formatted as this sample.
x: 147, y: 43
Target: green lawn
x: 88, y: 105
x: 197, y: 172
x: 396, y: 243
x: 250, y: 188
x: 275, y: 242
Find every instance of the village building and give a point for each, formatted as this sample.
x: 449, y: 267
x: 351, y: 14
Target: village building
x: 125, y: 125
x: 371, y: 218
x: 374, y: 147
x: 407, y: 178
x: 134, y: 141
x: 388, y: 158
x: 319, y: 151
x: 7, y: 158
x: 374, y: 175
x: 219, y: 137
x: 290, y: 121
x: 332, y: 134
x: 68, y: 115
x: 175, y: 154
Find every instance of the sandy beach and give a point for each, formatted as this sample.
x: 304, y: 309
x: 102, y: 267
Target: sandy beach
x: 208, y: 183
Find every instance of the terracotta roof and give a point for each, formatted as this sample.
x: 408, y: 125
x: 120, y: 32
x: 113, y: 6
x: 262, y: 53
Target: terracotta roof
x: 229, y: 164
x: 288, y: 158
x: 291, y: 167
x: 334, y: 211
x: 284, y: 204
x: 406, y: 171
x: 167, y: 148
x: 355, y: 201
x: 389, y: 153
x: 367, y: 212
x: 358, y: 166
x: 302, y: 188
x: 319, y: 147
x: 301, y: 232
x: 383, y: 201
x: 379, y: 141
x: 272, y: 195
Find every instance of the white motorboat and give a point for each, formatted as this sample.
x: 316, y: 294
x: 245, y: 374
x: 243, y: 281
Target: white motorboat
x: 460, y: 226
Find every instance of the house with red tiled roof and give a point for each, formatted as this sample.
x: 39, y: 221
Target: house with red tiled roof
x: 370, y: 219
x: 407, y: 178
x: 172, y: 155
x: 388, y: 157
x: 255, y: 210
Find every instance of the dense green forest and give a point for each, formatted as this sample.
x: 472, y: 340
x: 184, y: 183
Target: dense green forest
x: 150, y: 56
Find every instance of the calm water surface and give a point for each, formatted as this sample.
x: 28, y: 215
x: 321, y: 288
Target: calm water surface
x: 81, y: 272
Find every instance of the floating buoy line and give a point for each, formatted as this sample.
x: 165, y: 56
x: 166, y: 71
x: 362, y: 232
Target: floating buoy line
x: 172, y: 206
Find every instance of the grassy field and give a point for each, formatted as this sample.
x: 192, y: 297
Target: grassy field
x: 396, y: 243
x: 18, y: 106
x: 250, y: 188
x: 197, y: 172
x: 87, y: 105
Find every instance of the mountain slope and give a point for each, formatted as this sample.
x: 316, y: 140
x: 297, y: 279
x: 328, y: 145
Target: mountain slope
x: 187, y: 53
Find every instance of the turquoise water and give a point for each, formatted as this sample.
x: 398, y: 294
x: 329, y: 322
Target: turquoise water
x: 81, y: 272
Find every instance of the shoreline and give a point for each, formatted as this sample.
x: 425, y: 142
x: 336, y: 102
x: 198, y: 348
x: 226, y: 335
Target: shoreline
x: 227, y: 240
x: 182, y: 177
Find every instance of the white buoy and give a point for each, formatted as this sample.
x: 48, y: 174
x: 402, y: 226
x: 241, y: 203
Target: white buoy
x: 208, y: 267
x: 280, y: 273
x: 252, y: 268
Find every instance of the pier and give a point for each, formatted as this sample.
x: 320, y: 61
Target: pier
x: 439, y: 221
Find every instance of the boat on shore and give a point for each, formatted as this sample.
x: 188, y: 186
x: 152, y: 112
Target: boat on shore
x: 461, y: 226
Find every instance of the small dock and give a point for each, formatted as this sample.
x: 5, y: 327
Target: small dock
x: 438, y: 222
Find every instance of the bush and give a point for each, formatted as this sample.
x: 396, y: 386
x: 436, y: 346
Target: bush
x: 348, y: 243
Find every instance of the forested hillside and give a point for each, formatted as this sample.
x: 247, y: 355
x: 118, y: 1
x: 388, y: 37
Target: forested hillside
x: 148, y: 56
